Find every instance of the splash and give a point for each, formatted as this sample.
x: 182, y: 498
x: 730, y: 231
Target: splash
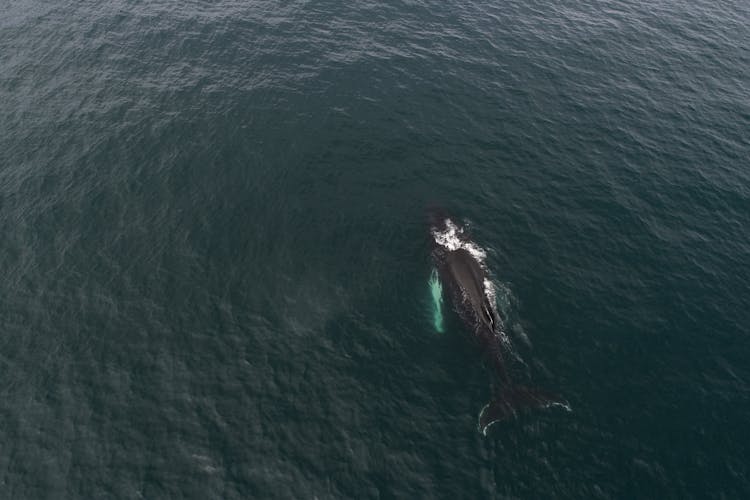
x: 452, y: 238
x: 436, y: 290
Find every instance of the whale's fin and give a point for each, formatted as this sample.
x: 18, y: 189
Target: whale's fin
x: 513, y: 400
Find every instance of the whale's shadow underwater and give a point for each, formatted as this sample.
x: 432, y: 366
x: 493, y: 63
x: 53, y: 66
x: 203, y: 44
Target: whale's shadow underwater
x: 460, y: 267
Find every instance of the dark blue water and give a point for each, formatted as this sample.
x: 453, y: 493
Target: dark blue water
x: 215, y: 263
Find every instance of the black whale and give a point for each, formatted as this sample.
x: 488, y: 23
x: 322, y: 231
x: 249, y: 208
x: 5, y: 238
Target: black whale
x: 464, y: 277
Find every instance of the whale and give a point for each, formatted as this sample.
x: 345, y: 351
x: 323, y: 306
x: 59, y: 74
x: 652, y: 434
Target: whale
x: 460, y: 266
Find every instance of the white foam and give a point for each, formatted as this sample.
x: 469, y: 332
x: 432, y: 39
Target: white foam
x: 489, y: 290
x: 451, y: 239
x: 564, y: 406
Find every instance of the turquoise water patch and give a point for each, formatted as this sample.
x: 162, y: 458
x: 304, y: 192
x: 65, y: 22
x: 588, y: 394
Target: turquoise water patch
x: 436, y: 291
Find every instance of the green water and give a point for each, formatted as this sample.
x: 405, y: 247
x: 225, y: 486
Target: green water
x: 215, y: 261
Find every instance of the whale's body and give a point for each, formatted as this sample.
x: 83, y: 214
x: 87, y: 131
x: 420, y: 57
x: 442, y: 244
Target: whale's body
x: 459, y: 262
x: 467, y: 278
x: 466, y: 282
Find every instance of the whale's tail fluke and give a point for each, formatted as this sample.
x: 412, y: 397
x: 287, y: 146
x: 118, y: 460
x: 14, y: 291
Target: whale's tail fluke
x: 513, y: 400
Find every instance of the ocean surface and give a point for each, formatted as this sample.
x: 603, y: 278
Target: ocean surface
x: 215, y: 258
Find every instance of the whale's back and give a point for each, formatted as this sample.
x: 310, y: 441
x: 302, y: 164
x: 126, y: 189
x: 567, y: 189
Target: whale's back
x: 467, y: 274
